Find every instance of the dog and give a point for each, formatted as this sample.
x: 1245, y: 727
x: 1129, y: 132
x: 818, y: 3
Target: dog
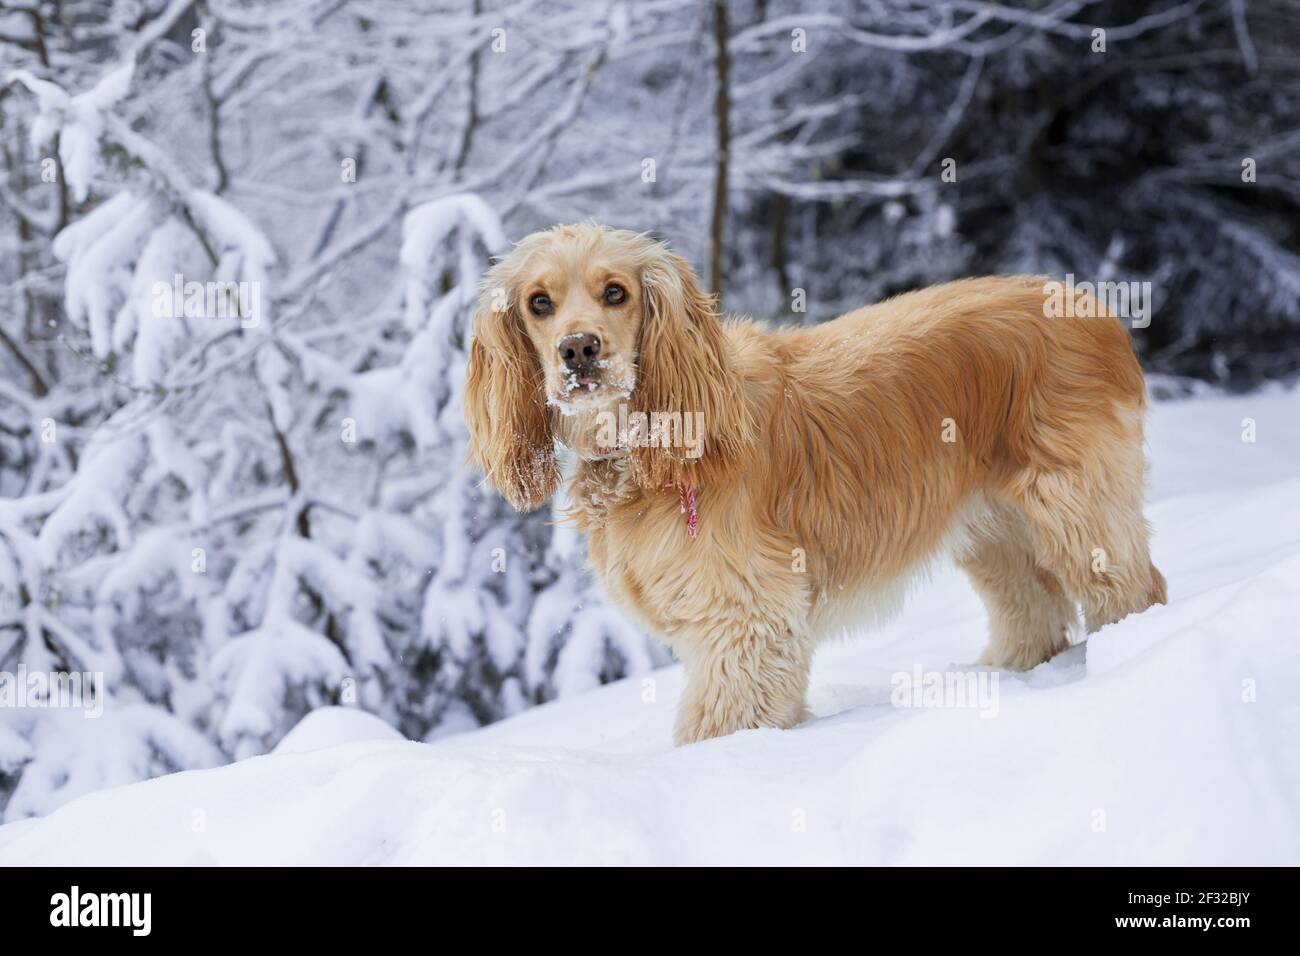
x: 832, y: 463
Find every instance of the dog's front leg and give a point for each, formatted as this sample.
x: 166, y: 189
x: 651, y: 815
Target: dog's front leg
x: 742, y: 681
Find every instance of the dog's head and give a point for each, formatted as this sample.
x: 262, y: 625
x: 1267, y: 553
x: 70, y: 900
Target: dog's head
x: 575, y: 322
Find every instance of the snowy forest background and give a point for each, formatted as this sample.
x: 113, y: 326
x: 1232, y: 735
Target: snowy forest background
x: 237, y: 522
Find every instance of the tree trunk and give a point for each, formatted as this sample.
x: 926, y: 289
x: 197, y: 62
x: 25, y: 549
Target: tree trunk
x: 723, y: 111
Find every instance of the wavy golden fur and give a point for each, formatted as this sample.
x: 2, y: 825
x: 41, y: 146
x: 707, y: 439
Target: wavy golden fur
x: 837, y: 460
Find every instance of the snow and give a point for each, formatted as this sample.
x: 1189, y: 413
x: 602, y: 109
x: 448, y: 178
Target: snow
x: 237, y: 233
x: 98, y: 250
x: 1167, y: 739
x: 79, y: 121
x: 426, y: 227
x: 75, y: 753
x: 332, y: 726
x: 258, y: 666
x: 429, y: 224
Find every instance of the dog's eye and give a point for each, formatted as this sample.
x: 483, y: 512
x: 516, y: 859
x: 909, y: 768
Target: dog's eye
x: 540, y: 305
x: 615, y: 295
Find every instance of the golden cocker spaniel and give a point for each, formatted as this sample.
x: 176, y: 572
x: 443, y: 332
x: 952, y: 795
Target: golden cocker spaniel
x: 746, y: 492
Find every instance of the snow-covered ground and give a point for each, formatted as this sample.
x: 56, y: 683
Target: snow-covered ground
x: 1170, y: 738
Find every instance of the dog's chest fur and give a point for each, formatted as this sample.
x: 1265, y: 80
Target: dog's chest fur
x: 637, y: 543
x: 598, y: 488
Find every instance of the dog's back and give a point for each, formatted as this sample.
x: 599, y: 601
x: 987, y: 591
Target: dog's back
x: 961, y: 418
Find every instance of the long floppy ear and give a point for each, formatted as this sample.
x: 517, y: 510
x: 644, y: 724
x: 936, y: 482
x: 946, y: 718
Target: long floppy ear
x: 509, y: 427
x: 683, y: 366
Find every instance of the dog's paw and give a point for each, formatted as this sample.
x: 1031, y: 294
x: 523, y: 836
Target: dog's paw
x: 691, y: 728
x: 695, y: 724
x: 1019, y: 658
x: 1001, y: 660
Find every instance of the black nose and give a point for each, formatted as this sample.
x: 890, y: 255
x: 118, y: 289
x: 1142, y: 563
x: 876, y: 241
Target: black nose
x: 579, y: 350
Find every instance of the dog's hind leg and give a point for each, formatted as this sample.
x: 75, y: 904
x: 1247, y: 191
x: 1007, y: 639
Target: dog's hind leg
x: 1030, y: 614
x: 1087, y: 526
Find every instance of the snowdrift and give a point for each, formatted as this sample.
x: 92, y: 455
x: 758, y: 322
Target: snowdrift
x: 1170, y: 738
